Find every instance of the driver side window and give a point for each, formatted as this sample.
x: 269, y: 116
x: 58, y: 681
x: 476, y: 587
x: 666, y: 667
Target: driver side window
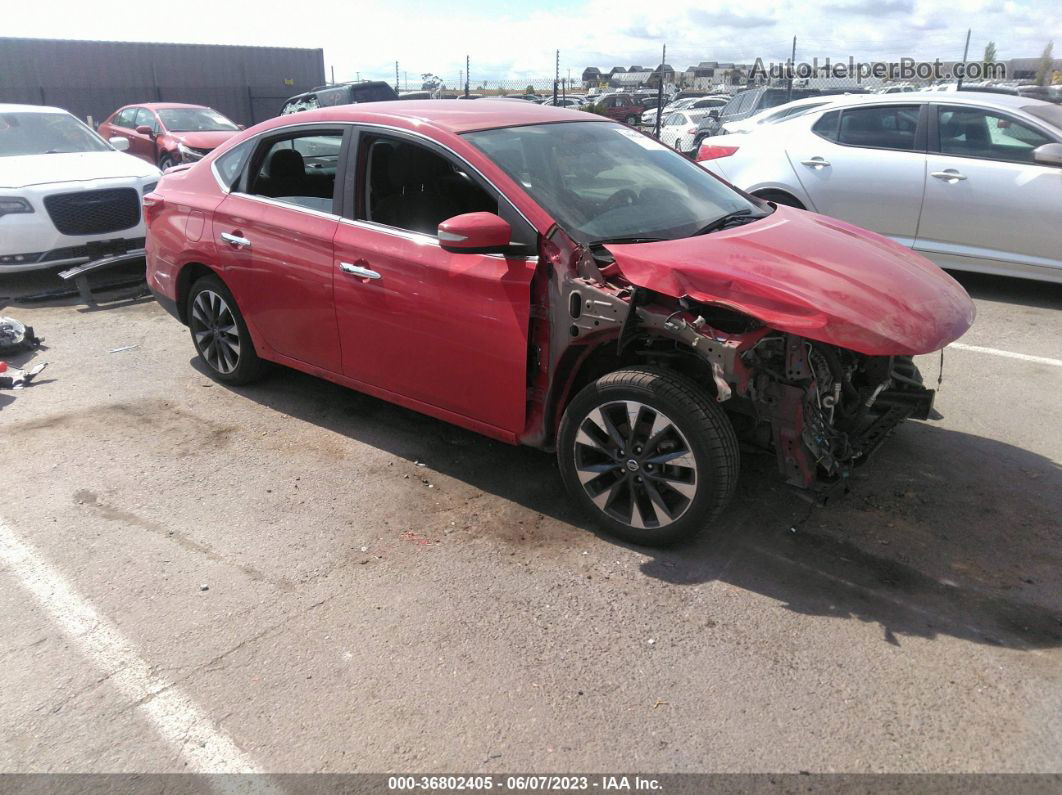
x: 411, y: 187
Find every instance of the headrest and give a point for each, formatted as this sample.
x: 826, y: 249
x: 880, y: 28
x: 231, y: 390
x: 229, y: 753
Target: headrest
x: 286, y: 164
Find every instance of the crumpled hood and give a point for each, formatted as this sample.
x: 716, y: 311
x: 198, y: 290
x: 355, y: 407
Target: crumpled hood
x: 204, y: 140
x: 814, y: 276
x: 20, y: 171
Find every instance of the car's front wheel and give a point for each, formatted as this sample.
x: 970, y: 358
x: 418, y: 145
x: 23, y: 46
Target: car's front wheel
x: 220, y: 334
x: 166, y: 161
x: 649, y: 454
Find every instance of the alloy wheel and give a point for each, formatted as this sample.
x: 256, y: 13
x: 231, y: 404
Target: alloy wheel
x: 635, y: 464
x: 216, y: 334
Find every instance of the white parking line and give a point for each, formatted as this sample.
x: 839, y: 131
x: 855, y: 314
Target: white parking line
x: 1007, y: 354
x: 180, y: 722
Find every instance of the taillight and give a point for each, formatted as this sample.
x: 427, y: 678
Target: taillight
x: 710, y: 152
x: 691, y: 131
x: 153, y: 204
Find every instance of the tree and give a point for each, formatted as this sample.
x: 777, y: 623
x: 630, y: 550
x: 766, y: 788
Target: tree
x: 990, y: 54
x: 430, y: 82
x: 530, y: 89
x: 1045, y: 72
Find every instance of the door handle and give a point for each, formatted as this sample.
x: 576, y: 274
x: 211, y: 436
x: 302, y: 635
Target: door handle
x: 235, y: 240
x: 358, y: 270
x: 948, y: 174
x: 815, y: 162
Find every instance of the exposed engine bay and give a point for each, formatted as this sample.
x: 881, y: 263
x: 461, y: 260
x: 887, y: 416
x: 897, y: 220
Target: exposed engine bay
x: 821, y: 408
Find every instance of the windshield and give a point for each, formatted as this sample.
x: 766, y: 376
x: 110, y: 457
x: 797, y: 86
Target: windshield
x: 46, y: 134
x: 604, y: 181
x: 195, y: 120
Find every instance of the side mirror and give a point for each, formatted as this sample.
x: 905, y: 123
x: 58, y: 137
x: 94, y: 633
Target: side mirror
x: 1048, y: 154
x: 143, y: 129
x: 475, y: 233
x: 119, y: 142
x: 241, y: 126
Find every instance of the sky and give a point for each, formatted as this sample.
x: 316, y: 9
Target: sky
x: 509, y: 40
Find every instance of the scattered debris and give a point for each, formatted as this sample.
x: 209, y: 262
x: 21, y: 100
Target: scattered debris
x: 125, y: 348
x: 16, y: 337
x: 13, y: 378
x: 204, y: 587
x: 660, y: 703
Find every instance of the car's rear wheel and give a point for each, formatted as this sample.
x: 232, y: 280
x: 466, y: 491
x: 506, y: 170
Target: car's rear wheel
x: 631, y: 120
x: 220, y: 334
x: 649, y: 454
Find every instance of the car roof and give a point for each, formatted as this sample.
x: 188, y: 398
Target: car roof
x: 162, y: 105
x: 450, y: 115
x: 11, y: 108
x: 985, y: 98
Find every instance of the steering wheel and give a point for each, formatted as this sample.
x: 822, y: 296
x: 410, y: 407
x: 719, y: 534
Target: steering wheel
x: 624, y: 197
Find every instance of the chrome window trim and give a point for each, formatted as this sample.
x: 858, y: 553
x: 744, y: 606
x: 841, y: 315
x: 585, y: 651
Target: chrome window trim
x: 287, y: 205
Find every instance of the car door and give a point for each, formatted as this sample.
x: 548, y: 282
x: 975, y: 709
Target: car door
x: 987, y: 205
x: 865, y: 165
x: 444, y: 332
x: 274, y: 234
x: 140, y: 144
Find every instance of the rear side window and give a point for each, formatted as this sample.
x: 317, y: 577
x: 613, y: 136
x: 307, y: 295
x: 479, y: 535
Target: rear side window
x: 230, y: 164
x: 826, y: 126
x: 883, y: 127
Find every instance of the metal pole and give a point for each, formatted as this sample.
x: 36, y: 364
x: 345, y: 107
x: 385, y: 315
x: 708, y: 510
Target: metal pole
x: 792, y: 65
x: 467, y: 75
x: 396, y: 77
x: 556, y: 76
x: 965, y: 52
x: 333, y: 74
x: 660, y: 94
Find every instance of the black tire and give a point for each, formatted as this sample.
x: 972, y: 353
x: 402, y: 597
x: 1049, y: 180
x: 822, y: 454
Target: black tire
x: 166, y: 161
x: 621, y: 479
x: 630, y: 121
x: 220, y: 334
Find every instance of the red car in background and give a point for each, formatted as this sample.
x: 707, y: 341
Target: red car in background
x: 552, y: 278
x: 169, y: 133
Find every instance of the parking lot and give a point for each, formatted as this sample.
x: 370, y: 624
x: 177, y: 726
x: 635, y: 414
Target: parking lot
x: 295, y: 577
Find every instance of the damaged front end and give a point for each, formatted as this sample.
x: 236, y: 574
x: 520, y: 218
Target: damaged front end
x: 822, y: 408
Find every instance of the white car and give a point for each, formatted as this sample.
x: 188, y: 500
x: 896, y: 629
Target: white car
x: 775, y: 114
x: 66, y: 195
x: 972, y: 181
x: 680, y: 129
x: 686, y: 103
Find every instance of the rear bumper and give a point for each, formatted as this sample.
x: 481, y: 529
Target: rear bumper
x: 167, y: 303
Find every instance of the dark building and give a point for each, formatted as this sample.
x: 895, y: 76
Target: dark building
x: 92, y: 78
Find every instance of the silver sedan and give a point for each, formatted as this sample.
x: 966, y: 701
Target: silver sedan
x: 972, y: 181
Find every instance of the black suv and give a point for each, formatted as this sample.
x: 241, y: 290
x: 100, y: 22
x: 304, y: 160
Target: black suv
x: 342, y: 94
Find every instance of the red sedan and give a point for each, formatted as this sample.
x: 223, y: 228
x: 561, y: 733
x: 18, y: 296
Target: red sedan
x: 168, y: 133
x: 554, y: 279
